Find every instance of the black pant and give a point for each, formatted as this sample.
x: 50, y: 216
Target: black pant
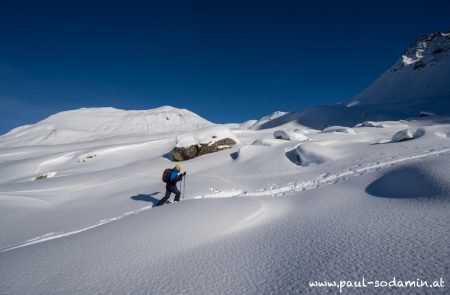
x: 170, y: 188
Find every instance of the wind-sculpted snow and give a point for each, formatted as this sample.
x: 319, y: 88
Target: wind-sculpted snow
x: 328, y: 178
x: 251, y: 245
x: 394, y: 182
x: 405, y: 182
x: 263, y: 217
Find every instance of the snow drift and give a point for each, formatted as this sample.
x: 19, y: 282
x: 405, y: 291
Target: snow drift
x: 290, y: 135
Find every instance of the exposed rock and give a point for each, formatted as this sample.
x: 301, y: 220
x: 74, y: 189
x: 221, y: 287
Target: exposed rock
x: 419, y: 65
x: 187, y: 153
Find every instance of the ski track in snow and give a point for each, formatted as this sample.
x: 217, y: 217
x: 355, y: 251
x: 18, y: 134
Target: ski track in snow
x: 327, y: 178
x: 53, y: 236
x: 323, y: 179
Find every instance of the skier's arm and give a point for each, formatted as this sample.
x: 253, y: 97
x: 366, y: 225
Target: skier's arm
x: 180, y: 176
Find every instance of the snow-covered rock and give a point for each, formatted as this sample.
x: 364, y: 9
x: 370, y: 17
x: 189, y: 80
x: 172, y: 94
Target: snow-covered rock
x: 96, y: 123
x: 314, y: 153
x: 205, y: 136
x: 370, y: 124
x: 403, y: 135
x: 290, y: 135
x: 408, y: 134
x: 269, y: 142
x: 339, y: 129
x: 203, y: 141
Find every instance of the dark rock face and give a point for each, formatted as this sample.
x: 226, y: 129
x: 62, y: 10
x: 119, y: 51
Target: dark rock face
x: 419, y: 65
x: 187, y: 153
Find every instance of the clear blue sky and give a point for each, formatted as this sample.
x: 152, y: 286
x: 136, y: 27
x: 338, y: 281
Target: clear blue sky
x: 228, y: 61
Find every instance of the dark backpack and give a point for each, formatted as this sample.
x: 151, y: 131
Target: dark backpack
x: 166, y: 175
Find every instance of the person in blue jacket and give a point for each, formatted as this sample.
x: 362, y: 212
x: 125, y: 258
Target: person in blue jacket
x: 171, y: 186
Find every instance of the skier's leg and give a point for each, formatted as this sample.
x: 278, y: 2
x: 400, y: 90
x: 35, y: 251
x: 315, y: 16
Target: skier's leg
x: 166, y: 197
x: 177, y: 193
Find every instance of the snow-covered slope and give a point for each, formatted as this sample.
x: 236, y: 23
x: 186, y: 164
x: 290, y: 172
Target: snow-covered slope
x: 421, y: 74
x: 256, y: 219
x: 96, y: 123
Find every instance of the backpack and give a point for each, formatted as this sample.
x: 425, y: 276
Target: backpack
x: 166, y: 175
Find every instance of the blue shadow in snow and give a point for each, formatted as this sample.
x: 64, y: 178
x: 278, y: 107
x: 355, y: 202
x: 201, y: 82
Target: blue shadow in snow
x: 146, y: 198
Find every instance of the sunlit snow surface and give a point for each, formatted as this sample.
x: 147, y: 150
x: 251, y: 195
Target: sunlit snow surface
x: 254, y: 219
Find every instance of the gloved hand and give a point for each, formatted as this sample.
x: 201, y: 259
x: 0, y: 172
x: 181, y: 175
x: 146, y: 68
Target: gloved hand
x: 184, y: 173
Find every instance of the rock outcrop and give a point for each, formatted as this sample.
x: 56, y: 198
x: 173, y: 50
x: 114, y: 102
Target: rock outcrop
x: 187, y: 153
x: 203, y: 141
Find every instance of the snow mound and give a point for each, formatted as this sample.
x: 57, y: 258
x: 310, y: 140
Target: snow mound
x: 339, y: 129
x: 205, y: 136
x: 306, y: 131
x: 250, y: 153
x: 269, y: 142
x: 314, y: 153
x: 88, y: 124
x: 370, y: 124
x: 290, y: 135
x: 405, y: 182
x: 443, y: 133
x: 402, y: 135
x: 407, y: 134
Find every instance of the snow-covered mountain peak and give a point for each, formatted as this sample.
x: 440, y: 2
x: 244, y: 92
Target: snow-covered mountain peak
x: 96, y: 123
x: 425, y: 51
x: 420, y: 76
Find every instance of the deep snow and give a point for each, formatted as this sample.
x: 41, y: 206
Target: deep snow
x: 255, y: 219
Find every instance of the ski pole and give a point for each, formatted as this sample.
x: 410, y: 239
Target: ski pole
x: 184, y: 186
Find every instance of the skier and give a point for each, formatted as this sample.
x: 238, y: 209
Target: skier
x: 171, y: 177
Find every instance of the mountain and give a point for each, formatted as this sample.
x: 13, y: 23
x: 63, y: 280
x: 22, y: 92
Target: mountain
x: 87, y: 124
x: 418, y: 81
x: 421, y: 74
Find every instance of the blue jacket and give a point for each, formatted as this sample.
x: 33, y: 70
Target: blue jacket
x: 174, y: 177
